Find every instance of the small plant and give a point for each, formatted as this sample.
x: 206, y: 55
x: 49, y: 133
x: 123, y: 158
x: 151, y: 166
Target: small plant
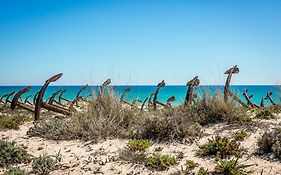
x: 12, y: 121
x: 202, y: 171
x: 270, y: 142
x: 220, y: 147
x: 158, y: 149
x: 161, y: 163
x: 44, y: 164
x: 231, y: 167
x: 240, y: 135
x: 265, y: 114
x: 139, y: 144
x: 10, y: 154
x: 14, y: 171
x: 190, y: 164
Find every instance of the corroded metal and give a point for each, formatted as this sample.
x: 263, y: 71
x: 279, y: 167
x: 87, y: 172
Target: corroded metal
x: 268, y: 97
x: 170, y: 100
x: 39, y: 101
x: 143, y: 103
x: 8, y: 96
x: 248, y: 99
x: 262, y: 102
x: 15, y: 102
x: 52, y: 98
x: 26, y: 101
x: 155, y: 99
x: 230, y: 72
x: 61, y: 98
x: 227, y: 92
x: 124, y: 92
x: 190, y: 95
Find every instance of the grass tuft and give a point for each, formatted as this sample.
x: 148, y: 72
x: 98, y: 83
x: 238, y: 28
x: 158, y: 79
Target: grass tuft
x: 10, y: 154
x: 161, y: 162
x: 219, y: 146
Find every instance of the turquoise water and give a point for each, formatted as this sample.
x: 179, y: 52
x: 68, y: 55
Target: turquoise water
x: 141, y: 92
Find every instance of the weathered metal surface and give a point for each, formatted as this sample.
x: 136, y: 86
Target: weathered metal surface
x: 4, y: 96
x: 262, y: 102
x: 15, y: 102
x: 124, y: 92
x: 61, y: 98
x: 190, y: 95
x: 227, y: 92
x: 8, y: 96
x: 170, y: 100
x: 143, y: 103
x: 230, y: 72
x: 26, y: 101
x: 155, y: 99
x: 52, y: 98
x: 35, y: 97
x: 39, y: 101
x: 268, y: 97
x: 248, y: 99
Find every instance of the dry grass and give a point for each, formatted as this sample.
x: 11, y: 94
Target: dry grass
x: 106, y: 117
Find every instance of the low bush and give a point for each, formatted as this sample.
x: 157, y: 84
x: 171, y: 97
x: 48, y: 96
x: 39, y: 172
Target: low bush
x: 202, y: 171
x: 161, y: 162
x: 44, y: 164
x: 240, y: 135
x: 12, y: 120
x: 265, y: 114
x: 231, y: 167
x: 270, y: 142
x: 138, y: 144
x: 190, y: 164
x: 10, y: 154
x: 219, y: 146
x: 14, y: 171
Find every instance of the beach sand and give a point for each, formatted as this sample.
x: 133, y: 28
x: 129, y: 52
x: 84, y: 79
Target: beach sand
x: 80, y: 157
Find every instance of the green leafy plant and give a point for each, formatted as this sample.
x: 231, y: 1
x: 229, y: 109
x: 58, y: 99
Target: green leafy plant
x: 190, y: 164
x: 240, y: 135
x: 12, y: 121
x: 231, y: 167
x: 139, y: 144
x: 44, y: 164
x: 10, y: 154
x: 220, y: 147
x: 161, y: 162
x: 14, y: 171
x: 265, y: 114
x: 202, y: 171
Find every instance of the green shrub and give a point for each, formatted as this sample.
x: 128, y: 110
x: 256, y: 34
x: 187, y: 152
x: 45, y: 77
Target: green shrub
x: 161, y: 162
x: 190, y: 164
x: 220, y: 147
x: 265, y: 114
x: 231, y: 167
x: 139, y: 144
x: 56, y: 129
x: 44, y: 164
x: 132, y: 156
x: 14, y: 171
x: 270, y: 142
x: 10, y: 154
x: 202, y: 171
x: 12, y: 121
x: 240, y: 135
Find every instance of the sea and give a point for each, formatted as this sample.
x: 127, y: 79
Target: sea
x: 142, y: 92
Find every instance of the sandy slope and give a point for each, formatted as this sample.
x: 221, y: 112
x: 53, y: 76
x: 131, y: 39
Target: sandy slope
x: 88, y: 158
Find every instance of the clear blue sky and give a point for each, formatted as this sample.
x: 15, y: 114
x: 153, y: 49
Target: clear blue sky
x: 139, y: 41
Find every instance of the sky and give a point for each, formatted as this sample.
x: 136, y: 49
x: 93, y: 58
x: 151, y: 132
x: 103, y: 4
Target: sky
x: 139, y: 42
